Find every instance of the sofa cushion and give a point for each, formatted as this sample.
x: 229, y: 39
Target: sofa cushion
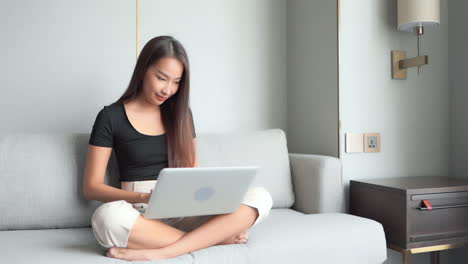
x: 286, y: 236
x: 59, y: 246
x: 266, y: 149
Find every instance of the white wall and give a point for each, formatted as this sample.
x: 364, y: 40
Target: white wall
x: 237, y: 51
x: 62, y: 61
x: 413, y: 115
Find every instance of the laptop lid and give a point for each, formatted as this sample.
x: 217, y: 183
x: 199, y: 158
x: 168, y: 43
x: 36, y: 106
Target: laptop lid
x: 181, y: 192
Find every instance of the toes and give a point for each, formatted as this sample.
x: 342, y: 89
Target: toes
x: 242, y: 241
x: 240, y: 238
x: 243, y: 236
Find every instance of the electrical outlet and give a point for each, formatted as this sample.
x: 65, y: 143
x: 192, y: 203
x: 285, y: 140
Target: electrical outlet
x: 372, y: 142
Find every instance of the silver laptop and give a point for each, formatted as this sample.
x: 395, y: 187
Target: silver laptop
x: 181, y: 192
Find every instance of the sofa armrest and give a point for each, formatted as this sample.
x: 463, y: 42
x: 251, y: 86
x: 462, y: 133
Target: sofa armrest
x: 317, y: 183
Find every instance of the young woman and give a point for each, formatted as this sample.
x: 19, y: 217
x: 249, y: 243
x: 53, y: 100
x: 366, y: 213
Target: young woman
x: 151, y: 127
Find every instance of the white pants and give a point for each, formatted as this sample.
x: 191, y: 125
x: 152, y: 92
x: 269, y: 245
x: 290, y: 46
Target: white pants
x: 112, y: 222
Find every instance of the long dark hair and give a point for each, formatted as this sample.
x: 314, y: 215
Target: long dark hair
x: 176, y: 114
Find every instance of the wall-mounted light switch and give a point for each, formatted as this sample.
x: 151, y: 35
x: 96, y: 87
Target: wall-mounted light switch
x: 372, y: 142
x: 354, y: 142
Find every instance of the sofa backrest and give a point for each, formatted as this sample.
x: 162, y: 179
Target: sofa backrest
x: 266, y: 149
x: 41, y: 181
x: 41, y: 175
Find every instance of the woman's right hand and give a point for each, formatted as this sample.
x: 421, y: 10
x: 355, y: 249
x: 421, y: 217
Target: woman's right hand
x: 147, y: 196
x: 143, y: 204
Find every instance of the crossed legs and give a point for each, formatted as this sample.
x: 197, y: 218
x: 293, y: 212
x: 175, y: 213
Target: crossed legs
x: 117, y: 226
x: 152, y: 239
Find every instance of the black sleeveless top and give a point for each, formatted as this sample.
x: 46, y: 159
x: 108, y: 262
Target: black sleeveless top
x: 140, y: 157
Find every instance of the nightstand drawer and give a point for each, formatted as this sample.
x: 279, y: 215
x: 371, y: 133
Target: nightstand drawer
x: 447, y: 195
x: 438, y: 236
x: 446, y: 217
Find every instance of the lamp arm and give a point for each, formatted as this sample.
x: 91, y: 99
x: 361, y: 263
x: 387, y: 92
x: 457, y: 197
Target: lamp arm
x: 413, y: 62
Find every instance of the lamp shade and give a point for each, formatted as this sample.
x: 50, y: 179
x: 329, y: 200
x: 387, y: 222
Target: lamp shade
x: 413, y: 13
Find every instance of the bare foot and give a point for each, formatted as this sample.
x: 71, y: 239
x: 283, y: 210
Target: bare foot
x: 240, y: 238
x: 135, y: 254
x: 155, y: 254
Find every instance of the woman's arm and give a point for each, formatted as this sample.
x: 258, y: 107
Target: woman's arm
x: 94, y: 187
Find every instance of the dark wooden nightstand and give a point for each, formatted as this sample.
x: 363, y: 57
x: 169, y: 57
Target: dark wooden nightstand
x: 418, y: 214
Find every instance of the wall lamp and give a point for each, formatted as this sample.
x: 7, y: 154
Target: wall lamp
x: 414, y: 16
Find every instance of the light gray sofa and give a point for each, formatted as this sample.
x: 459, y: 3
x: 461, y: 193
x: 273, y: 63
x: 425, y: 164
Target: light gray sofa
x: 45, y: 218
